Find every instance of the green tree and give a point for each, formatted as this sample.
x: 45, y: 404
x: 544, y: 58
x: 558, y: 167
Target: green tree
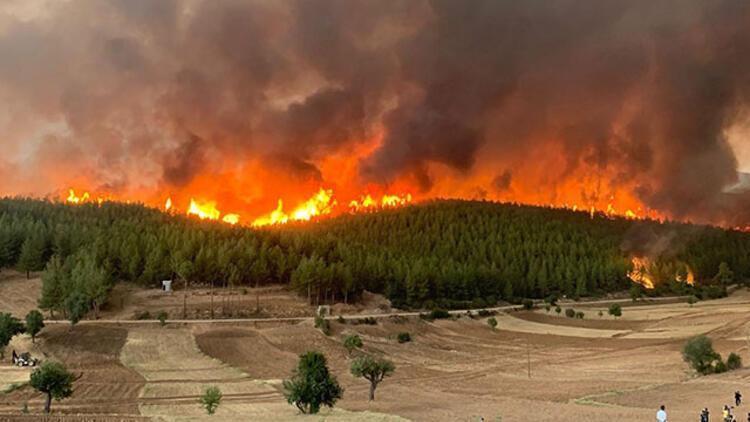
x: 34, y: 323
x: 725, y: 276
x: 77, y: 306
x: 700, y: 354
x: 53, y: 286
x: 615, y: 310
x: 53, y: 380
x: 492, y: 322
x: 9, y: 327
x: 373, y: 370
x: 312, y: 384
x: 32, y: 255
x: 351, y: 342
x: 211, y: 399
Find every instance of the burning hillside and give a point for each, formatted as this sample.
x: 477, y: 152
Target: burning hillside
x: 265, y: 112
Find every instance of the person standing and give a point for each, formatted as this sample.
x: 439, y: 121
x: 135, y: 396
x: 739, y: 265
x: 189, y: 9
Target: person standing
x: 737, y: 398
x: 661, y: 414
x: 704, y: 415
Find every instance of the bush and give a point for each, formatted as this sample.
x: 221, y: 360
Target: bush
x: 323, y: 324
x: 570, y: 313
x: 162, y: 317
x: 700, y: 355
x: 734, y: 361
x: 439, y: 314
x: 484, y: 313
x: 547, y: 308
x: 720, y: 367
x: 600, y: 313
x: 551, y: 299
x: 352, y: 342
x: 398, y: 319
x: 403, y: 337
x: 692, y: 300
x: 143, y: 315
x: 341, y: 320
x: 528, y: 304
x: 558, y: 310
x: 635, y: 292
x: 615, y: 310
x: 580, y: 315
x: 492, y: 322
x: 211, y: 399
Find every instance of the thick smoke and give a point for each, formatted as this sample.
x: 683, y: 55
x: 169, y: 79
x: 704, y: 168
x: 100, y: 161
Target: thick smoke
x: 500, y: 95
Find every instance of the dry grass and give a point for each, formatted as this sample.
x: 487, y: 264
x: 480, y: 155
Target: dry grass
x: 17, y: 294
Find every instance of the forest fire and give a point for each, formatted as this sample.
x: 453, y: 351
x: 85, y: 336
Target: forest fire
x: 650, y: 273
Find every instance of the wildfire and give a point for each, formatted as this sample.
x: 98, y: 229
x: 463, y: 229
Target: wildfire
x: 641, y: 273
x: 168, y: 204
x: 387, y: 201
x: 649, y: 274
x: 231, y: 219
x: 204, y: 211
x: 75, y: 199
x: 322, y: 203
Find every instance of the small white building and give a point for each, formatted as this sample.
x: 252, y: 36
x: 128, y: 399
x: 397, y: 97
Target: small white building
x: 166, y: 285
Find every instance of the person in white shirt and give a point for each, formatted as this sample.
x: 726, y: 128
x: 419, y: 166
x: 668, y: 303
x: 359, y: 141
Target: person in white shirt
x: 661, y: 414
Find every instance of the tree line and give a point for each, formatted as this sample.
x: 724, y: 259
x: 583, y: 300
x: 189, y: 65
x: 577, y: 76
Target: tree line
x: 445, y: 253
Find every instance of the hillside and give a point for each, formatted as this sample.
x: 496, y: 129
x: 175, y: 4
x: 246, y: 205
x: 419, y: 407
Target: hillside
x: 445, y: 253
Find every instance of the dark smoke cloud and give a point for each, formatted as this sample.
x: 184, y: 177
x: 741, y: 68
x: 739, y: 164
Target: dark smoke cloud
x: 641, y: 91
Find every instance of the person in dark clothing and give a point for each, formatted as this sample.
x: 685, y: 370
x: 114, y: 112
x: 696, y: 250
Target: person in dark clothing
x: 704, y: 415
x: 737, y: 398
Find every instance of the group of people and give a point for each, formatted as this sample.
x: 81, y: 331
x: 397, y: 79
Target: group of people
x: 726, y: 413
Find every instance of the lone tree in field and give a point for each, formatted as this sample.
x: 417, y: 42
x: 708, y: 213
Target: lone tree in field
x: 700, y: 354
x: 34, y: 324
x: 211, y: 399
x: 53, y: 380
x: 312, y: 385
x: 492, y: 322
x: 9, y: 327
x: 351, y: 342
x: 615, y: 310
x: 373, y: 370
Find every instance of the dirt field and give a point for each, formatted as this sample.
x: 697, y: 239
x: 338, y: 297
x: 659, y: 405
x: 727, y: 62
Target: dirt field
x: 17, y: 294
x: 535, y: 366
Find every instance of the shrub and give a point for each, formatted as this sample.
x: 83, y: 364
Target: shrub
x: 700, y: 355
x: 398, y: 319
x: 734, y: 361
x: 600, y: 313
x: 528, y: 304
x: 143, y: 315
x: 352, y: 342
x: 720, y: 367
x: 312, y: 384
x: 558, y: 310
x: 692, y: 300
x: 403, y: 337
x: 570, y: 313
x: 439, y: 314
x: 635, y: 292
x: 551, y: 299
x: 162, y: 317
x: 484, y: 313
x: 341, y: 320
x: 492, y: 322
x: 615, y: 310
x: 580, y: 315
x: 211, y: 399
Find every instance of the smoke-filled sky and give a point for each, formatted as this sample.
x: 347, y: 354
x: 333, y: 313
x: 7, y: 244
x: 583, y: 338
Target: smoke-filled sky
x: 588, y: 103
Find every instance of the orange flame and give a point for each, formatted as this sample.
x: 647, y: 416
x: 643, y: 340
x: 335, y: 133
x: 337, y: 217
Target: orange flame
x: 322, y: 203
x: 646, y: 273
x: 204, y: 211
x: 75, y: 199
x: 168, y: 204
